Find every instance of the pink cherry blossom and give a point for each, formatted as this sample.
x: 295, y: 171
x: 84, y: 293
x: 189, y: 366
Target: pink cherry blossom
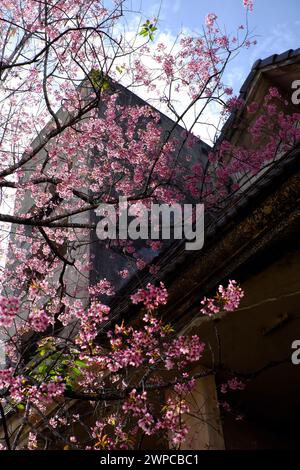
x: 9, y: 308
x: 227, y: 299
x: 151, y: 296
x: 248, y: 4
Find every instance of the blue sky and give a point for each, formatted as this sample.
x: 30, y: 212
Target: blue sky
x: 275, y: 23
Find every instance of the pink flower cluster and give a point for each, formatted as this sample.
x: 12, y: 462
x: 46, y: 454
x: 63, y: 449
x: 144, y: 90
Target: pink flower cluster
x: 124, y: 273
x: 185, y: 387
x: 39, y: 320
x: 170, y: 419
x: 103, y: 287
x: 210, y: 20
x: 96, y: 314
x: 6, y: 376
x: 248, y: 4
x: 53, y: 389
x: 151, y: 296
x: 227, y: 298
x: 231, y: 295
x: 232, y: 384
x: 8, y: 309
x: 185, y: 350
x: 32, y: 441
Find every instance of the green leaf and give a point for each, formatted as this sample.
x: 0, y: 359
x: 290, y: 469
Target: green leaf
x: 80, y: 363
x: 69, y: 386
x: 147, y: 30
x: 42, y: 368
x: 144, y: 32
x: 99, y: 80
x: 105, y: 84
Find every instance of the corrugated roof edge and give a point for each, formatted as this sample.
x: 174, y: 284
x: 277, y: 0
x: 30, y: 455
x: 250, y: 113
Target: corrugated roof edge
x: 258, y: 66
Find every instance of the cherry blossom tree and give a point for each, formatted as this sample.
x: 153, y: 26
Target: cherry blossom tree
x: 69, y: 145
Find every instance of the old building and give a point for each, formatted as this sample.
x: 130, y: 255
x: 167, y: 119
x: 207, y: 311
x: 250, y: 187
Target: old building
x: 255, y: 240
